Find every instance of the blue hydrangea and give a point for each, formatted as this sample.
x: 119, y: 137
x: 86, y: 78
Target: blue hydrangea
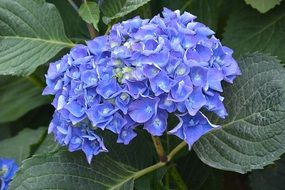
x: 8, y: 169
x: 137, y: 75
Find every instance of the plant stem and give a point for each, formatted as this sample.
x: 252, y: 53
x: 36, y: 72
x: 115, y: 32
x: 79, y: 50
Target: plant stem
x: 149, y: 169
x: 186, y: 5
x: 108, y: 29
x: 159, y: 149
x: 160, y: 164
x: 176, y: 150
x: 167, y: 181
x: 177, y: 178
x: 91, y: 29
x: 75, y: 7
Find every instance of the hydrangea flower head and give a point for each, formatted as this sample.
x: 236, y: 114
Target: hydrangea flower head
x: 137, y: 75
x: 8, y: 169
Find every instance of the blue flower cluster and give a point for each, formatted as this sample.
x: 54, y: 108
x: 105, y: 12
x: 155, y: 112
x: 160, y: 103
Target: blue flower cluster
x: 8, y: 169
x: 138, y: 74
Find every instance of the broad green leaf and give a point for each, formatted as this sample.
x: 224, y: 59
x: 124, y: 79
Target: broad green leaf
x: 270, y: 178
x: 19, y: 147
x: 90, y: 13
x: 113, y: 170
x: 263, y: 5
x: 211, y: 13
x: 47, y: 171
x: 253, y: 135
x: 17, y: 97
x: 4, y: 132
x: 48, y: 145
x: 113, y: 9
x: 207, y: 12
x: 250, y: 31
x: 198, y: 175
x: 31, y: 34
x: 75, y: 27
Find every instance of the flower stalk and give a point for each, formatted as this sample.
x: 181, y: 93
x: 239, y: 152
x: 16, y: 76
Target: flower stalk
x: 160, y: 164
x: 91, y: 29
x: 177, y: 178
x: 159, y: 149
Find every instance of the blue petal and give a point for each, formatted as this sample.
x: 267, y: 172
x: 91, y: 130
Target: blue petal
x: 97, y: 45
x: 90, y: 78
x: 142, y: 109
x: 126, y: 135
x: 215, y: 104
x: 101, y: 114
x: 198, y: 76
x: 136, y: 88
x: 161, y: 83
x: 116, y: 124
x: 122, y: 101
x: 79, y: 51
x: 195, y: 101
x: 166, y: 104
x: 191, y: 128
x: 181, y: 91
x: 107, y: 88
x: 158, y: 124
x: 215, y: 77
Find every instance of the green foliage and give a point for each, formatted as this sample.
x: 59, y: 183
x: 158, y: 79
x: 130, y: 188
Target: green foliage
x: 114, y: 9
x: 207, y: 11
x: 253, y: 135
x: 90, y: 12
x: 18, y: 96
x: 48, y: 145
x: 20, y: 146
x: 47, y: 170
x: 34, y: 32
x: 249, y: 31
x: 113, y: 170
x: 27, y: 38
x: 75, y: 27
x: 271, y: 178
x: 263, y: 5
x: 198, y: 175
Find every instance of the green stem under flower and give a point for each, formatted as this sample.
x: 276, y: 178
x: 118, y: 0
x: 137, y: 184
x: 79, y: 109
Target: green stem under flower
x: 159, y: 164
x: 74, y: 6
x: 176, y: 150
x: 177, y: 178
x: 108, y: 29
x: 91, y: 29
x: 159, y: 149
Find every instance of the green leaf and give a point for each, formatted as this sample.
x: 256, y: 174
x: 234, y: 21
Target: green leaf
x: 47, y: 171
x: 207, y: 12
x: 270, y: 178
x: 253, y: 135
x: 249, y: 31
x: 113, y: 170
x: 31, y: 34
x: 19, y: 147
x: 17, y: 97
x: 90, y: 13
x: 113, y: 9
x: 263, y: 5
x: 48, y: 145
x: 151, y: 180
x: 5, y: 132
x: 74, y: 26
x: 198, y: 175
